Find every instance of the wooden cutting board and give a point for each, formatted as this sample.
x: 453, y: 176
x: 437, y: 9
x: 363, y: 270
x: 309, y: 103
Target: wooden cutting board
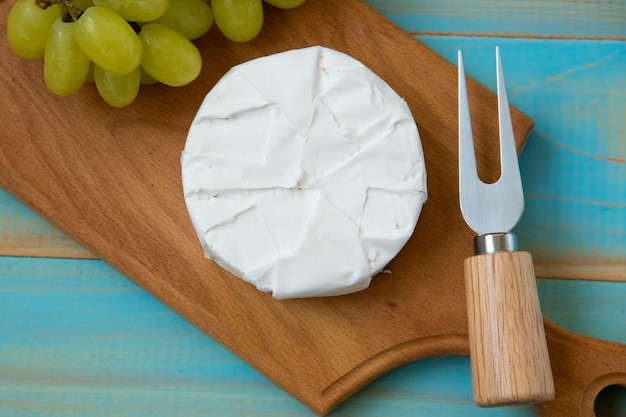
x: 110, y: 178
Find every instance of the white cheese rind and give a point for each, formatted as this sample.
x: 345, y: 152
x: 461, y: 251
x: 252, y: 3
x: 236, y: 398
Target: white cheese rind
x: 303, y: 173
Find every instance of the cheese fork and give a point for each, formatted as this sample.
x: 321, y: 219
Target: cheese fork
x: 508, y: 350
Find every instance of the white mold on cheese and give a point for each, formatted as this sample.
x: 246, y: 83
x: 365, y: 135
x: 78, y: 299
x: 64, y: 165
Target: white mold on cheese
x: 303, y: 173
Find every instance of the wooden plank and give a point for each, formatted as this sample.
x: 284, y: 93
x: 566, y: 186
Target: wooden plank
x: 509, y: 18
x: 81, y: 339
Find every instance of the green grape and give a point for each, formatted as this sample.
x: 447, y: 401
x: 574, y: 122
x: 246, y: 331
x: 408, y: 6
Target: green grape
x: 147, y: 79
x: 89, y: 78
x: 108, y: 40
x: 82, y: 4
x: 136, y: 10
x: 286, y: 4
x: 190, y: 18
x: 238, y: 20
x: 28, y: 26
x: 65, y: 65
x: 168, y: 56
x: 117, y: 91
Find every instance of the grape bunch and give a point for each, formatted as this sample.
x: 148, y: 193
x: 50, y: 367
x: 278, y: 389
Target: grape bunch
x: 122, y: 44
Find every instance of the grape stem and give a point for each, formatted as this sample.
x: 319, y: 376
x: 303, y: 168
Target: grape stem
x: 70, y: 12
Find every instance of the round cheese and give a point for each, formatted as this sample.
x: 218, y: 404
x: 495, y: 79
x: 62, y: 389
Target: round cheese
x: 303, y: 173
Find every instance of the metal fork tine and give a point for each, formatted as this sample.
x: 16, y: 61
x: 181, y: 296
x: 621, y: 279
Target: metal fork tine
x: 466, y: 138
x: 510, y: 173
x: 496, y: 207
x: 468, y: 171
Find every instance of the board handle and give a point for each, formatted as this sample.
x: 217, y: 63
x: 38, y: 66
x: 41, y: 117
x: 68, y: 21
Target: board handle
x: 583, y: 366
x: 508, y: 349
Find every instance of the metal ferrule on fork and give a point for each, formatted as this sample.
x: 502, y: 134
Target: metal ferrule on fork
x: 495, y: 242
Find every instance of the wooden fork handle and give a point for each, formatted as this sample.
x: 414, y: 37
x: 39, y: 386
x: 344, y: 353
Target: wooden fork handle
x: 508, y: 349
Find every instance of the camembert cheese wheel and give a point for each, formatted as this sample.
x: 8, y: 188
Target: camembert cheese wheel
x: 303, y: 173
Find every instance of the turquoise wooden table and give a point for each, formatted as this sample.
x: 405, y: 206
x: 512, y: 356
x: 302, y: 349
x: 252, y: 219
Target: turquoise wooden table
x: 79, y: 339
